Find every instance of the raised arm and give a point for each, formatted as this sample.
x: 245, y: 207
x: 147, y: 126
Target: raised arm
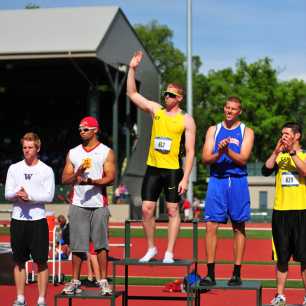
x: 271, y: 161
x: 292, y: 147
x: 242, y: 158
x: 190, y: 132
x: 139, y: 100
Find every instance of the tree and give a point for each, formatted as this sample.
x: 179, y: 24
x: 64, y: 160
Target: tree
x: 267, y: 102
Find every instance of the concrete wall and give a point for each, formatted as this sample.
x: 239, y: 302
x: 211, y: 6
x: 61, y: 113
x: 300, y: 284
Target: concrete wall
x: 261, y: 183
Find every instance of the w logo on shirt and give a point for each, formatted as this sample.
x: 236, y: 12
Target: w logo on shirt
x: 28, y: 176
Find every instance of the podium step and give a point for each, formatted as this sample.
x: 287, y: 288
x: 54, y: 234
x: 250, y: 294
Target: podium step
x: 89, y: 294
x: 222, y: 284
x: 246, y: 285
x: 154, y: 262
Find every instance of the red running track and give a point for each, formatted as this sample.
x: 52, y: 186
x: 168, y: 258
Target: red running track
x: 212, y: 298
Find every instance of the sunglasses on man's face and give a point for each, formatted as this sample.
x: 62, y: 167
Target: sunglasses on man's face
x: 169, y: 94
x: 84, y: 129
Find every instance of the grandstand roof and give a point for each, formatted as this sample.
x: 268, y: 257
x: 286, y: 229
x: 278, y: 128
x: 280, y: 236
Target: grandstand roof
x: 55, y: 30
x: 39, y: 46
x: 101, y: 32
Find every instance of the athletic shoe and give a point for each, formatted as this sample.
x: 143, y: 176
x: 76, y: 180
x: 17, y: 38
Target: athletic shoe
x: 42, y: 304
x: 90, y: 283
x: 207, y: 281
x: 149, y: 255
x: 18, y: 303
x: 304, y: 302
x: 168, y: 258
x: 234, y: 281
x: 73, y: 287
x: 279, y: 300
x: 104, y: 286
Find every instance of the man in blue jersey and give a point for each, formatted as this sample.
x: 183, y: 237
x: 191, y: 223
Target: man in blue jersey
x: 226, y: 150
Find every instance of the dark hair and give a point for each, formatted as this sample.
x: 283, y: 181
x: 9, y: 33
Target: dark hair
x: 61, y: 218
x: 234, y: 99
x: 295, y: 127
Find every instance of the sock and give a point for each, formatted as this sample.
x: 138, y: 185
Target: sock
x: 20, y: 298
x: 168, y: 254
x: 151, y: 252
x: 211, y: 270
x: 103, y: 281
x: 41, y: 300
x: 237, y: 269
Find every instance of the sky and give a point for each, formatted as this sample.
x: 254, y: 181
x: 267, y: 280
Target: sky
x: 222, y: 30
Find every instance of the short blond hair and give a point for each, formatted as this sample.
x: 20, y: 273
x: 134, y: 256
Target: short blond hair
x: 31, y: 137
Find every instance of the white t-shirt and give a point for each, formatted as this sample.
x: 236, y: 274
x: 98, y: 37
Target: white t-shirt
x: 89, y: 195
x: 38, y: 182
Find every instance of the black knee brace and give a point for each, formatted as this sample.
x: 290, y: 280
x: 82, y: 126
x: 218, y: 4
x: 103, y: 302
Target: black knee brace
x: 303, y: 266
x: 282, y: 266
x: 81, y: 255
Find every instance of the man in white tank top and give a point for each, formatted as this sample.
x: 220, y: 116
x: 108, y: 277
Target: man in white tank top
x: 89, y: 168
x: 29, y: 185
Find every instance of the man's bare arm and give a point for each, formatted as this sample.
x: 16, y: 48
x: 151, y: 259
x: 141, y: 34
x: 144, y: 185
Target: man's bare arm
x: 270, y: 162
x: 190, y: 132
x: 208, y: 155
x: 109, y: 172
x: 242, y: 158
x: 69, y: 177
x: 289, y: 146
x: 139, y: 100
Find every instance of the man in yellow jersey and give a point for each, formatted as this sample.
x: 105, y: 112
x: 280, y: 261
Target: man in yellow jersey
x: 288, y: 160
x: 164, y: 169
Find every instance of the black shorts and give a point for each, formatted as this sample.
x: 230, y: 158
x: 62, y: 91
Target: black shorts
x: 289, y: 235
x: 30, y: 238
x: 158, y: 179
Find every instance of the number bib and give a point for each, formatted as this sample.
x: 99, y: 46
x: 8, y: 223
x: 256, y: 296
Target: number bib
x: 162, y: 144
x: 290, y: 179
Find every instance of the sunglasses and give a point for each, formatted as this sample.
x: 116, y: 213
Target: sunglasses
x: 83, y: 129
x: 169, y: 94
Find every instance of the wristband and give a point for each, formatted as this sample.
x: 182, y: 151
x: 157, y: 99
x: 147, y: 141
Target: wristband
x: 292, y: 153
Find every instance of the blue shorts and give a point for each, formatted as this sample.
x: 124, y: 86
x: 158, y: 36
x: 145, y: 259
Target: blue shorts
x: 227, y: 197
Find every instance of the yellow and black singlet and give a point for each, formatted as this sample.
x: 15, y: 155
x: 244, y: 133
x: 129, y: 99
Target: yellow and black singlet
x: 290, y: 192
x: 166, y: 137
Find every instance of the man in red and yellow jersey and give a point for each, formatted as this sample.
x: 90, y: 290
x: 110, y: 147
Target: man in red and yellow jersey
x: 164, y: 172
x: 288, y: 160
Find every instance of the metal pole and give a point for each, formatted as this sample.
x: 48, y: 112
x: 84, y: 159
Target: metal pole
x: 115, y: 125
x: 93, y: 101
x: 127, y: 136
x: 117, y: 85
x: 189, y: 79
